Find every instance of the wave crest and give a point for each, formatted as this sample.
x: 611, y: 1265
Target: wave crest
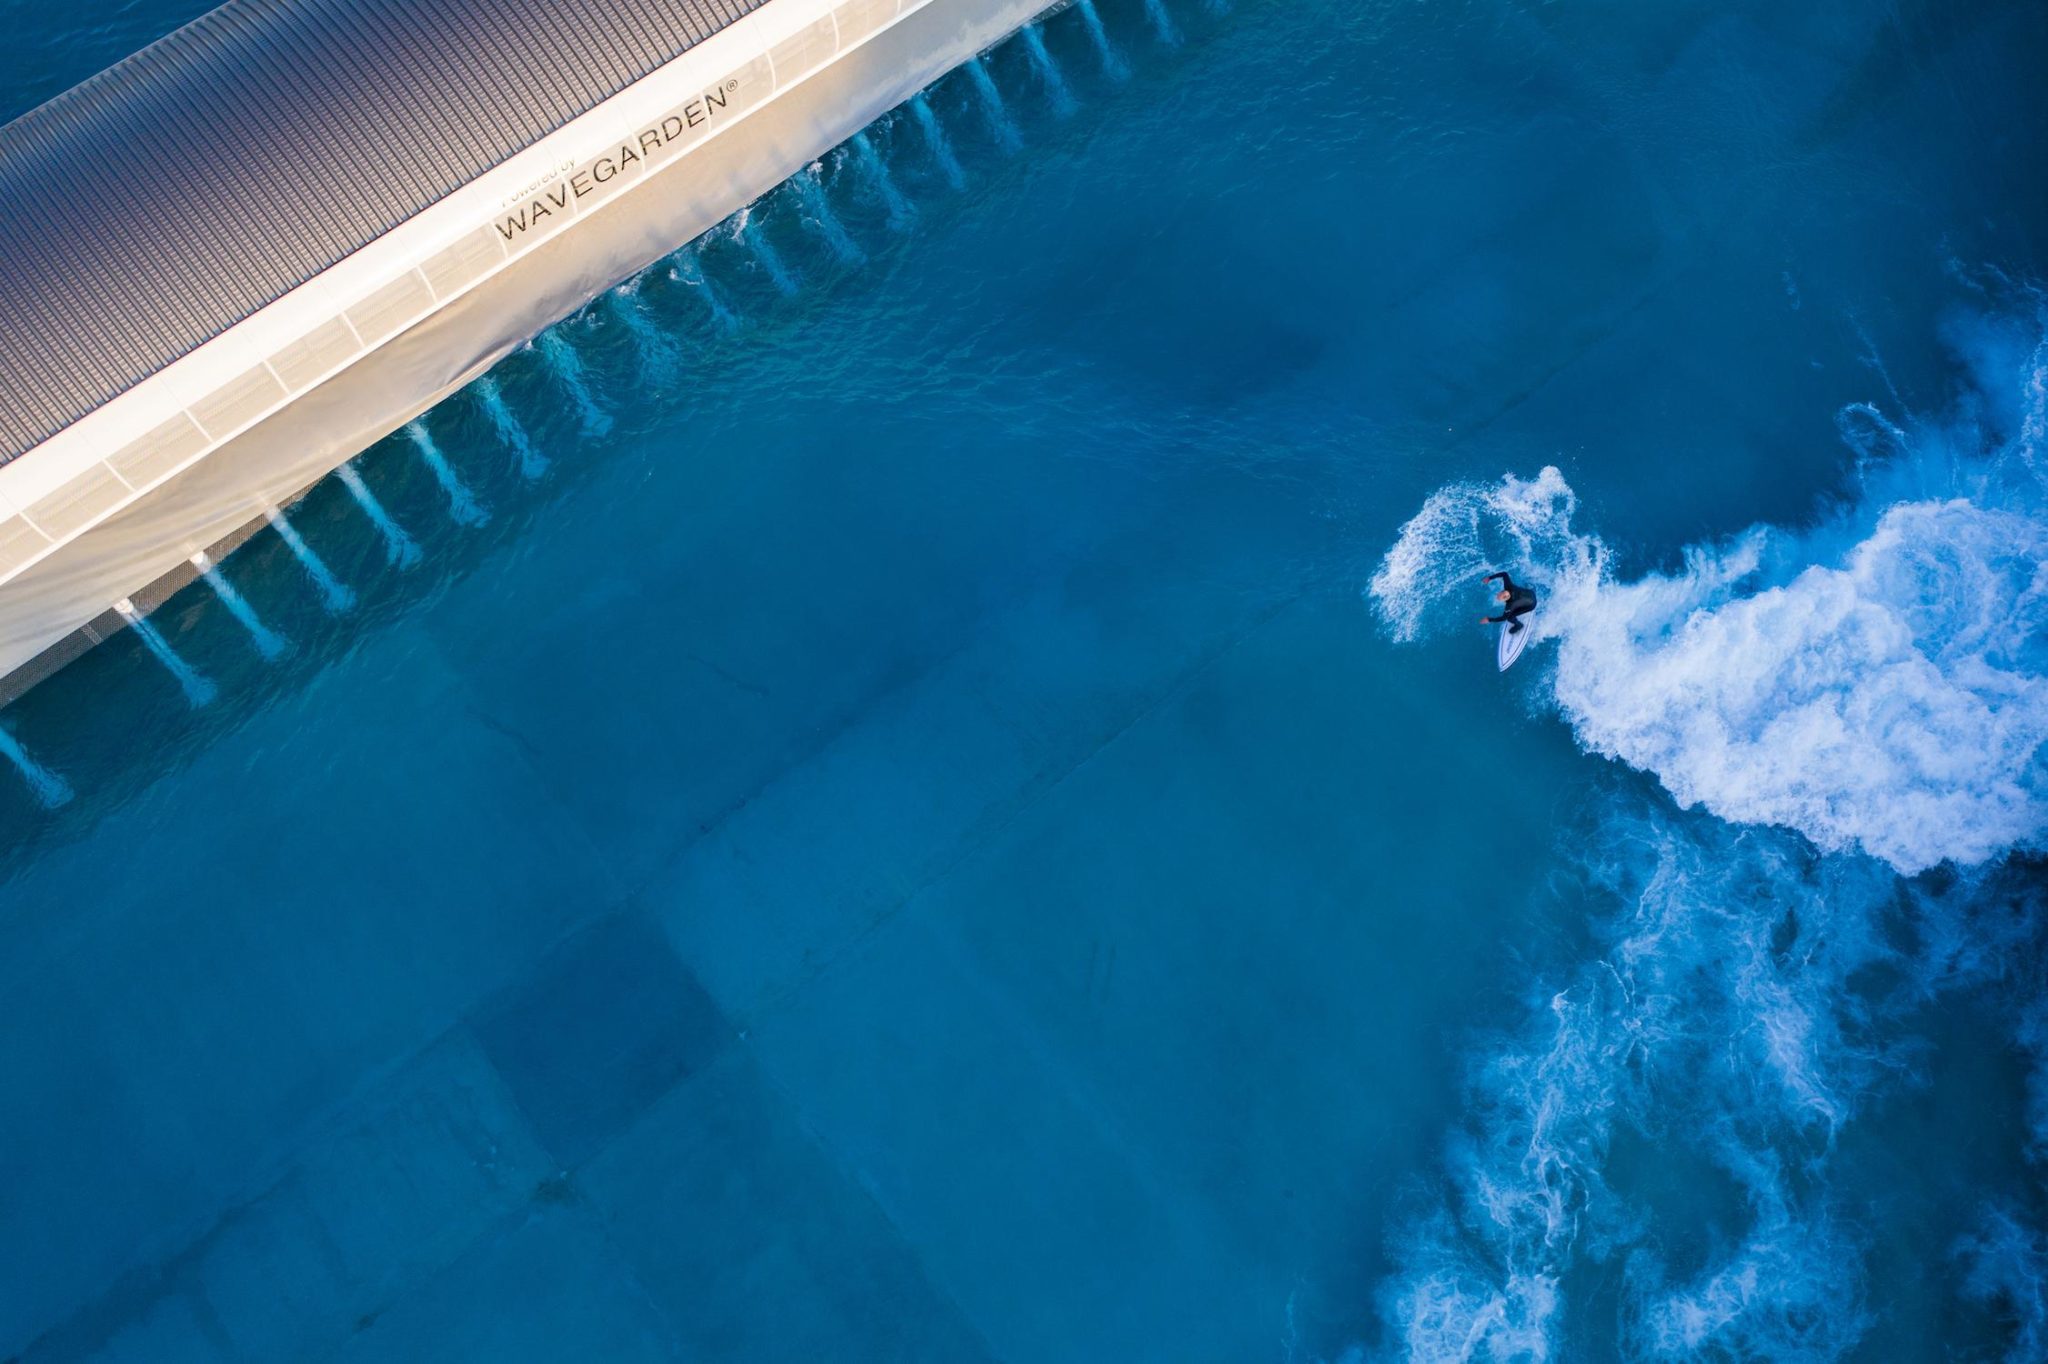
x: 1878, y: 683
x: 1745, y: 1005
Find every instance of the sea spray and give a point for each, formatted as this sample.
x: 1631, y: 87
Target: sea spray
x: 1872, y: 685
x: 1879, y: 682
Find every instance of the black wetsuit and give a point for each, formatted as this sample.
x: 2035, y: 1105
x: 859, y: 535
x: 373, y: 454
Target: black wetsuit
x: 1521, y: 601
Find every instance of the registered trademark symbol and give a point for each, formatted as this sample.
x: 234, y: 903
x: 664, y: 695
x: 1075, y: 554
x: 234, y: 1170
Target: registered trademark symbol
x: 732, y: 85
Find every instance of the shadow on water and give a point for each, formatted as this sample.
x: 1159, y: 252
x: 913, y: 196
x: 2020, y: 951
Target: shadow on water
x: 406, y: 520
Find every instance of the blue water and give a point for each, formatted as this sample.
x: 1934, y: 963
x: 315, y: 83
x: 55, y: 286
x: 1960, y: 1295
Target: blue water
x: 920, y: 783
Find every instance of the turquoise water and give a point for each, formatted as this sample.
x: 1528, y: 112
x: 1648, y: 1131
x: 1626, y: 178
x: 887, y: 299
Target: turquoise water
x: 920, y: 782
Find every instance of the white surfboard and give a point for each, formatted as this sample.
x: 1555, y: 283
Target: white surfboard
x: 1512, y: 642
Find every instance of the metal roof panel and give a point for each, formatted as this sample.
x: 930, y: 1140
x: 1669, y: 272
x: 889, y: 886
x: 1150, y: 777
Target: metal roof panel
x: 183, y: 189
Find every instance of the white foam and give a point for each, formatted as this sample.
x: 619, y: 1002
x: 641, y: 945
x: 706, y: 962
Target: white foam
x: 1449, y: 1319
x: 1876, y: 684
x: 1729, y: 1020
x: 1779, y: 1296
x: 2005, y: 1264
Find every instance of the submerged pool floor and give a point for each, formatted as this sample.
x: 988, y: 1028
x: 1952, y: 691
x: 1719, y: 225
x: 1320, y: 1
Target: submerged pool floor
x: 879, y: 824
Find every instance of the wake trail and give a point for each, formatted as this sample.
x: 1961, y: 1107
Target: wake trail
x: 1836, y: 711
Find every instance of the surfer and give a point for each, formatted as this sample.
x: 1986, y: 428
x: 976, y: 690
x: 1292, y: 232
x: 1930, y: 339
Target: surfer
x: 1516, y: 601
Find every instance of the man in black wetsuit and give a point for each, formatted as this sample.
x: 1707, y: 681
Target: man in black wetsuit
x: 1516, y: 601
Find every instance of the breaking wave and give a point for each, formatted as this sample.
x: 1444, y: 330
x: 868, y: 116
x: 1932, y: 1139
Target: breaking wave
x: 1750, y: 997
x: 1645, y: 1165
x: 1880, y: 682
x: 1725, y: 1023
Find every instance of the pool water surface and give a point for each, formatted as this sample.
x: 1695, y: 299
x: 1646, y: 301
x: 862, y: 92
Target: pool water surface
x: 895, y: 787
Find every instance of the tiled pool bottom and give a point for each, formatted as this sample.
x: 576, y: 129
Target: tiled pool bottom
x: 910, y: 839
x: 984, y: 1030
